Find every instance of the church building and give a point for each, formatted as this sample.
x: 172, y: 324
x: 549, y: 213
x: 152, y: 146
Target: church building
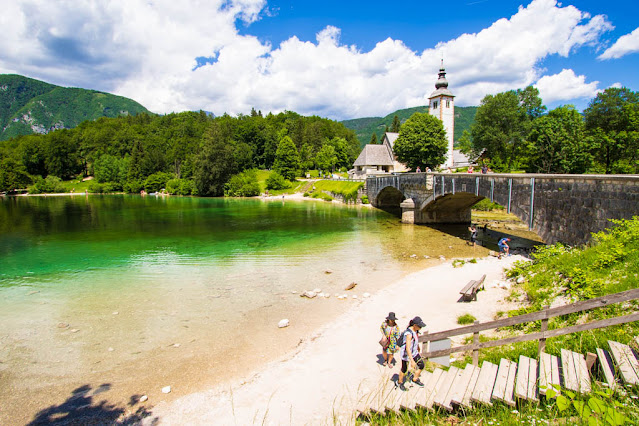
x: 380, y: 159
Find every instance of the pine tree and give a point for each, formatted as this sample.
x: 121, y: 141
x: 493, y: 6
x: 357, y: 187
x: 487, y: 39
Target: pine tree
x: 396, y: 124
x: 373, y: 139
x: 287, y: 159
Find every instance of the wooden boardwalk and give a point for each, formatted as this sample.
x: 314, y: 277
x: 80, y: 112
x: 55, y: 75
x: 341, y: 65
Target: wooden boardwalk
x: 507, y: 383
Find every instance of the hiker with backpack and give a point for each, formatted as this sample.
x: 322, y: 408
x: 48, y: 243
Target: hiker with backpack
x: 409, y: 352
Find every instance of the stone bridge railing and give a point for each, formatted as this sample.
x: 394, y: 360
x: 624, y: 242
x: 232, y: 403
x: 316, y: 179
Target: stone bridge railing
x: 566, y: 208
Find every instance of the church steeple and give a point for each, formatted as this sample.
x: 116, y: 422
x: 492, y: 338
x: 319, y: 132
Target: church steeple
x: 442, y: 83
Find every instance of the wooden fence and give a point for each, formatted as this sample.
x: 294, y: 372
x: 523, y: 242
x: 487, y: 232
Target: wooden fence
x: 543, y: 315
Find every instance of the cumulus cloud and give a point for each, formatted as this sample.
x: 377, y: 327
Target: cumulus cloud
x: 172, y: 57
x: 565, y: 86
x: 625, y: 45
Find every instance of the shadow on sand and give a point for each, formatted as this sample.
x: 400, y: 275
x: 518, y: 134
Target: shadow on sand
x: 81, y: 409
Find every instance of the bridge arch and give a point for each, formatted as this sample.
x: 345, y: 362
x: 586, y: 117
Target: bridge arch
x: 447, y: 208
x: 390, y: 199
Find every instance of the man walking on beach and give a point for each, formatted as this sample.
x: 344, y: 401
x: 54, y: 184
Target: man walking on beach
x: 409, y: 353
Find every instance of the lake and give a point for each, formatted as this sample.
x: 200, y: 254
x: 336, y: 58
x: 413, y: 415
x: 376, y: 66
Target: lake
x: 117, y: 296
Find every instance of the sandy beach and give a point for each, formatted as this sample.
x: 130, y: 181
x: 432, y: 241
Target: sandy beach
x: 323, y: 379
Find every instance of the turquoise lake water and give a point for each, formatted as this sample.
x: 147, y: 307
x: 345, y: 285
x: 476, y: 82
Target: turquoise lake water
x: 93, y: 288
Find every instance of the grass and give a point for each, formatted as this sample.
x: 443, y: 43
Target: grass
x: 466, y: 319
x: 76, y: 185
x: 346, y: 189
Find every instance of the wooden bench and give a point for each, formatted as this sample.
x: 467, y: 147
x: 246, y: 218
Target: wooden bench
x: 469, y: 292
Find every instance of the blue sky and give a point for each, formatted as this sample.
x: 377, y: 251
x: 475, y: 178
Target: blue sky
x: 339, y: 59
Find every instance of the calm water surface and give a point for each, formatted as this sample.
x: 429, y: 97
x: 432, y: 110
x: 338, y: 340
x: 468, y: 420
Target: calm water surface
x: 125, y: 294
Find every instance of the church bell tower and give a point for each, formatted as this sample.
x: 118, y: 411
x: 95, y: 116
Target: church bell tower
x: 442, y: 106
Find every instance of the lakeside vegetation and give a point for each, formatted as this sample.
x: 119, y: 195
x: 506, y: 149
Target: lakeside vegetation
x: 201, y: 152
x: 560, y: 274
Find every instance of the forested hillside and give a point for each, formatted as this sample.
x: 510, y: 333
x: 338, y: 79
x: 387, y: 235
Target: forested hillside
x: 29, y: 106
x: 365, y: 127
x: 196, y: 151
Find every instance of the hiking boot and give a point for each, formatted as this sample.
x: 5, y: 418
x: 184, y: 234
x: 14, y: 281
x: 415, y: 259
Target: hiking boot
x: 418, y: 383
x: 402, y: 387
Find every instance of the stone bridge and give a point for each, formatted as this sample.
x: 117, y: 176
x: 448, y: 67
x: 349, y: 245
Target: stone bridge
x: 559, y: 208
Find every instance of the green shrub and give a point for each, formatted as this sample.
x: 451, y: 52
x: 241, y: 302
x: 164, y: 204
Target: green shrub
x: 50, y: 185
x: 365, y: 199
x: 306, y: 194
x: 157, y: 181
x: 133, y: 186
x: 276, y: 181
x: 96, y: 188
x: 466, y: 319
x: 486, y: 205
x: 180, y: 187
x: 243, y: 185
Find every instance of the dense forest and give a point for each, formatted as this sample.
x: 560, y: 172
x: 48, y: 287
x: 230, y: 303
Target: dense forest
x: 29, y: 106
x: 191, y: 152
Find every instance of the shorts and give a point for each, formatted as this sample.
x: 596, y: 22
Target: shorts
x: 502, y: 248
x: 473, y: 238
x: 418, y: 360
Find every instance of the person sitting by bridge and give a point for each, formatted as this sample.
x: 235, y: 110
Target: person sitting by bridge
x: 503, y: 247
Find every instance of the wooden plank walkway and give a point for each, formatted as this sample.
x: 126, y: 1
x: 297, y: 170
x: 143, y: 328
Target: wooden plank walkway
x: 461, y: 388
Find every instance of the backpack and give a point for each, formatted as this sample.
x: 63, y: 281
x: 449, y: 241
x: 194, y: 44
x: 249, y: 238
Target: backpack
x: 402, y: 341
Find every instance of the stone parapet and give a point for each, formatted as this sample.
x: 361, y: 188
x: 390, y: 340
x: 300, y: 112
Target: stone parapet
x: 566, y: 208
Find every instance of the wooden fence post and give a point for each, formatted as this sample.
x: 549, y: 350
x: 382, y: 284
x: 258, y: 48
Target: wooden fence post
x: 476, y: 350
x: 544, y: 327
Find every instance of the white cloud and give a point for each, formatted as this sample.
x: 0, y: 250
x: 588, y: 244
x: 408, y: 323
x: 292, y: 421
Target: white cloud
x: 625, y: 45
x: 147, y: 51
x: 565, y: 86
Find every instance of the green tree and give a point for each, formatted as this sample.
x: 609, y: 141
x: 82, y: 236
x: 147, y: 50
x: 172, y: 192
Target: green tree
x: 422, y: 142
x: 277, y: 181
x: 373, y: 139
x: 287, y: 159
x: 326, y: 158
x: 611, y: 122
x: 395, y: 126
x: 216, y: 162
x: 502, y: 124
x: 243, y: 184
x: 558, y: 143
x: 13, y: 175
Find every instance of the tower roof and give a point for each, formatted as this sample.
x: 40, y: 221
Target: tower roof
x: 441, y: 86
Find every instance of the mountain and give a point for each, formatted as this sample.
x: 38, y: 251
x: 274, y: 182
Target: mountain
x: 365, y: 127
x: 31, y: 106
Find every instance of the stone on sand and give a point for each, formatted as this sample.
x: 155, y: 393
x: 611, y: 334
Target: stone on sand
x: 283, y: 323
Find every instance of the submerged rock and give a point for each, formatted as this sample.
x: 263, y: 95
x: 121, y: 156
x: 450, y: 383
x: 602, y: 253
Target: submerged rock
x: 144, y: 398
x: 63, y: 325
x: 309, y: 294
x: 166, y: 389
x: 351, y: 286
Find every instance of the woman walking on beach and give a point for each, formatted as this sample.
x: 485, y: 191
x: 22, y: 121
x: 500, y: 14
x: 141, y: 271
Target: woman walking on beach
x: 409, y: 353
x: 390, y: 331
